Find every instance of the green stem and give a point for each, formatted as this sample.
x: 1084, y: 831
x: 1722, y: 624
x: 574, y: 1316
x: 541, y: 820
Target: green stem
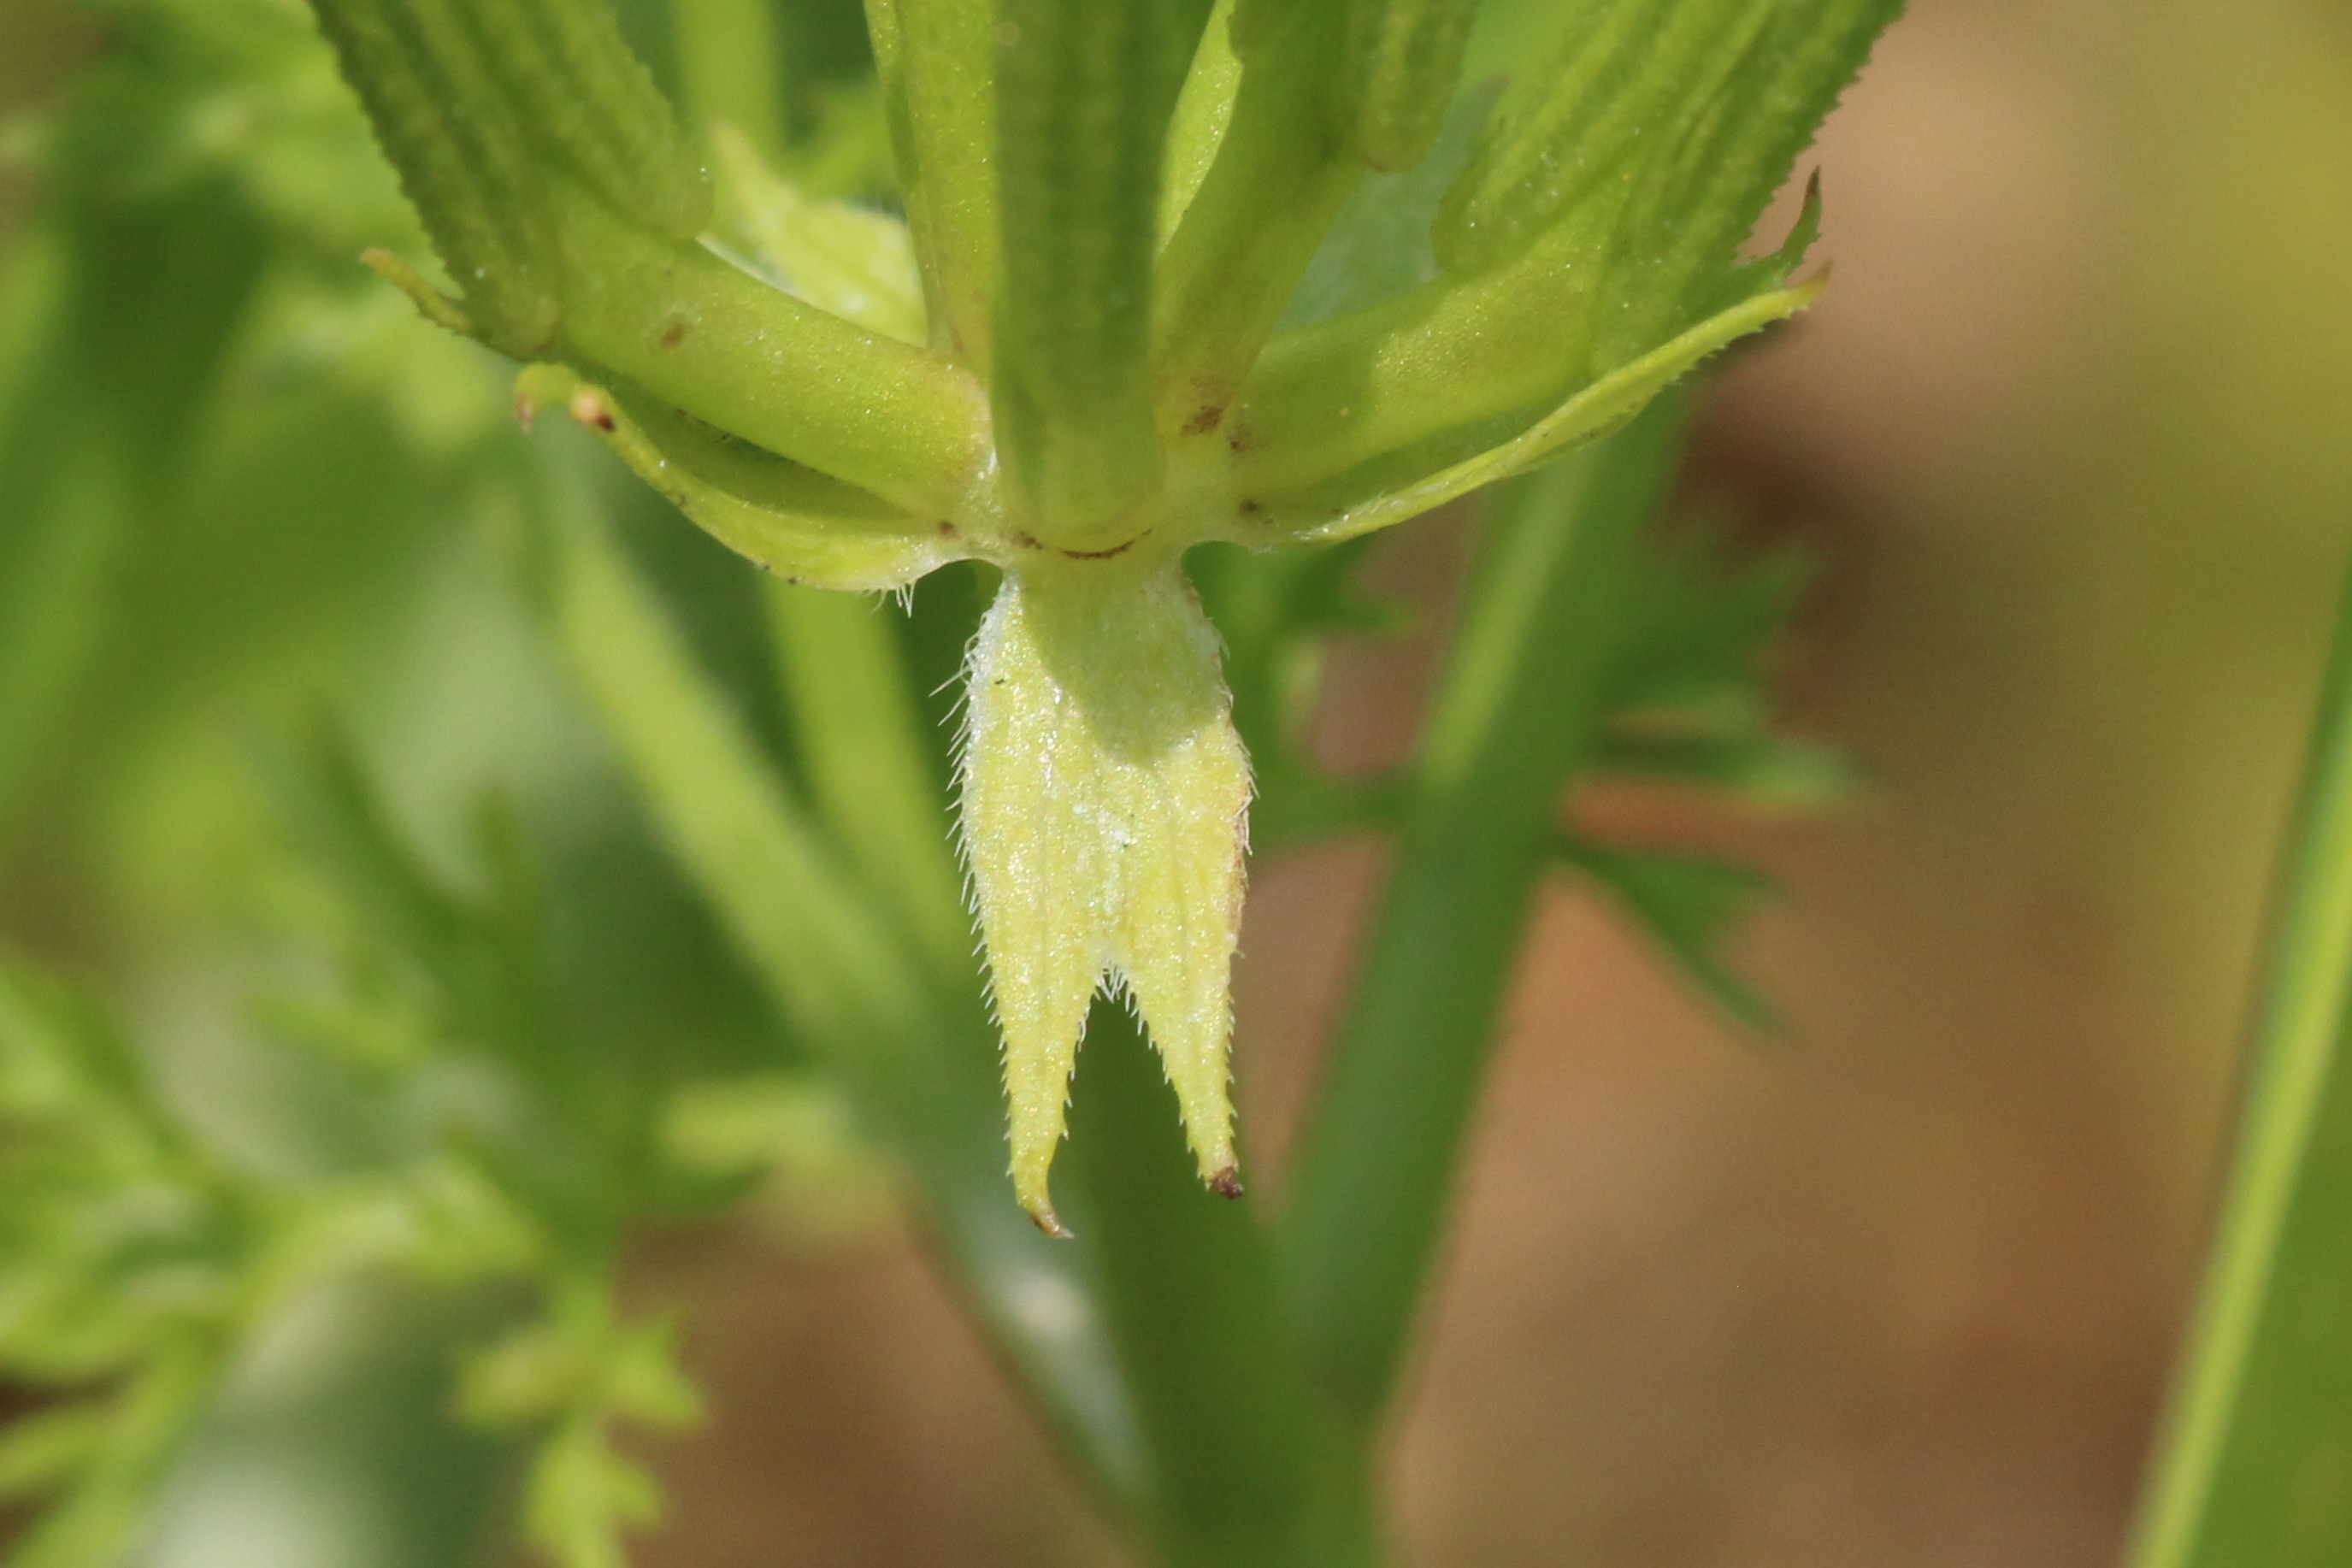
x: 1511, y: 722
x: 861, y: 743
x: 2255, y: 1465
x: 1250, y: 1475
x: 751, y: 360
x: 937, y: 62
x: 1281, y: 172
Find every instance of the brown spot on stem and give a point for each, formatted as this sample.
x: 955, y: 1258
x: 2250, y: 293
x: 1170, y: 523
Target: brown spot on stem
x: 1051, y: 1223
x: 588, y: 408
x: 948, y: 531
x: 1226, y: 1183
x: 1203, y: 422
x: 675, y: 334
x: 1026, y: 541
x: 1250, y: 508
x: 1239, y: 438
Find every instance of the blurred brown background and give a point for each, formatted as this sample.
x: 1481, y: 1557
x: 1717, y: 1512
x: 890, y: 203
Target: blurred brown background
x: 2072, y: 434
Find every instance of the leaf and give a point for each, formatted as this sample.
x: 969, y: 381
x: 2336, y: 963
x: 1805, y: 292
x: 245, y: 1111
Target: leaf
x: 44, y: 1452
x: 1662, y: 129
x: 1328, y: 510
x: 1688, y: 905
x: 473, y: 180
x: 1591, y: 249
x: 1687, y: 697
x: 2252, y: 1463
x: 579, y: 87
x: 1378, y: 246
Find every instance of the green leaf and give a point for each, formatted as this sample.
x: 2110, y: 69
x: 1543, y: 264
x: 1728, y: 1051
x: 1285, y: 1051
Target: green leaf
x: 1662, y: 129
x: 44, y: 1452
x: 1688, y: 905
x: 474, y: 178
x: 1737, y: 754
x: 1302, y: 450
x: 126, y: 1254
x: 1591, y: 245
x: 577, y: 86
x: 1378, y: 246
x: 1687, y: 692
x: 2254, y: 1465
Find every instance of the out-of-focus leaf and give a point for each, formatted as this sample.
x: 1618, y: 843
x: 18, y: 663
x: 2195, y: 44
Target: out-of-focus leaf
x: 1687, y: 698
x: 866, y: 765
x: 1379, y: 247
x: 1277, y: 612
x: 1688, y: 905
x: 855, y: 263
x: 2253, y: 1461
x: 126, y: 1254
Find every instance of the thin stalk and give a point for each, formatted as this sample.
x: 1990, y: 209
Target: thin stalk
x: 1282, y: 168
x: 860, y: 729
x: 937, y: 60
x: 2255, y: 1464
x: 1194, y: 1305
x: 1513, y: 719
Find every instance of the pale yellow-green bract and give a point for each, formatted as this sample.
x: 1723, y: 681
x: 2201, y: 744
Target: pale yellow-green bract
x: 1104, y: 794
